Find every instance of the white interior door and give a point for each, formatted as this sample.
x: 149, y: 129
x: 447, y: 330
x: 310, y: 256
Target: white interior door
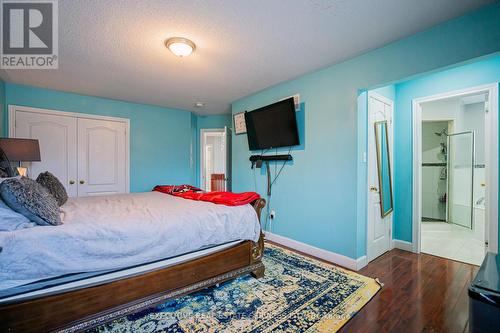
x: 213, y: 148
x: 379, y: 229
x: 101, y: 157
x: 227, y: 145
x: 57, y: 138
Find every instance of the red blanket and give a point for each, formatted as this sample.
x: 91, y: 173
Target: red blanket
x: 221, y: 198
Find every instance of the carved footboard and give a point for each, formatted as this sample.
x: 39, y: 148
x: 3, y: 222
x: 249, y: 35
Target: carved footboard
x: 258, y: 248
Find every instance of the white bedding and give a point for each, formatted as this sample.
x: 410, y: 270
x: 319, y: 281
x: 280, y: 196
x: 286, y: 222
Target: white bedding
x: 117, y: 231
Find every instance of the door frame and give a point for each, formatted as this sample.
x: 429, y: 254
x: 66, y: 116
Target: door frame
x: 491, y: 159
x: 391, y: 156
x: 12, y: 124
x: 202, y: 151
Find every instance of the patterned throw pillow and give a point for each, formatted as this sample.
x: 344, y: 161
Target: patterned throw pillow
x: 27, y: 197
x: 54, y: 186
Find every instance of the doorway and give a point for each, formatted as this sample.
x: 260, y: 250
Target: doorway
x: 455, y: 174
x: 214, y: 152
x: 379, y: 232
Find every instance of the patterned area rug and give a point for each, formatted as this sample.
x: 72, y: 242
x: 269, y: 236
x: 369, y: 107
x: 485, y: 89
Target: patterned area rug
x: 297, y: 294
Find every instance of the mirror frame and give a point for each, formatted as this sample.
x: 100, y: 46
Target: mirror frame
x: 379, y: 168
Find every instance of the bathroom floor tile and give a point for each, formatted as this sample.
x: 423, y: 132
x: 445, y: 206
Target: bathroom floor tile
x: 452, y: 241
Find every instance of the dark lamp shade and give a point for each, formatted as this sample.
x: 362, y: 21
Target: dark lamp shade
x: 21, y: 150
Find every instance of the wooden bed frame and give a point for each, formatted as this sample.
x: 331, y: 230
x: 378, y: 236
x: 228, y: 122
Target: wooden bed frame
x: 81, y: 309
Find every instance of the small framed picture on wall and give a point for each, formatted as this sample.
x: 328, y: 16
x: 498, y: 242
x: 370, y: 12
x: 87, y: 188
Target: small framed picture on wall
x: 240, y: 127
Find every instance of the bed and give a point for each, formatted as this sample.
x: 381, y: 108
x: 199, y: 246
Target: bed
x: 117, y: 254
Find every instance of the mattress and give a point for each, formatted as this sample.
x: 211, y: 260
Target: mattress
x: 76, y: 281
x: 118, y: 231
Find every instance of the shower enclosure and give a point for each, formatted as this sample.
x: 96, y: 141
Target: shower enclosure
x: 460, y: 206
x: 434, y: 170
x: 447, y: 174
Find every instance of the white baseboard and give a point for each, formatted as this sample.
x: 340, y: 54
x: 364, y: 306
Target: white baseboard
x: 402, y: 245
x: 361, y: 262
x: 341, y: 260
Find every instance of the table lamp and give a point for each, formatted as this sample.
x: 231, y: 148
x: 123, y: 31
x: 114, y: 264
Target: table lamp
x: 21, y: 150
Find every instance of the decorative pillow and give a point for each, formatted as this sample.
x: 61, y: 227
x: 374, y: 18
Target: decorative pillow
x: 10, y: 220
x: 3, y: 179
x: 54, y: 186
x: 27, y: 197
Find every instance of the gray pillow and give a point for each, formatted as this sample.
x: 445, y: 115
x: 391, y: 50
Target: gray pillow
x: 54, y: 186
x: 27, y: 197
x: 2, y: 179
x: 10, y: 220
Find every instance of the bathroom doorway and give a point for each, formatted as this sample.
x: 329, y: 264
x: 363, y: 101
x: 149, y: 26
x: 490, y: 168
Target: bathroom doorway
x: 214, y: 152
x: 456, y: 138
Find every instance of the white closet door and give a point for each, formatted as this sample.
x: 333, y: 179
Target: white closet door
x: 101, y: 157
x: 57, y: 139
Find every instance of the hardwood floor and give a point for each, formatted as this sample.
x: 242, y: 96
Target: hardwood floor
x: 421, y: 293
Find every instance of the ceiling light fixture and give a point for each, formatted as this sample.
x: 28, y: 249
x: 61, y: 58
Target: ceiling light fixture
x: 181, y: 47
x: 199, y: 104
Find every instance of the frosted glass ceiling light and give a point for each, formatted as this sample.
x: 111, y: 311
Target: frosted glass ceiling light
x: 181, y: 47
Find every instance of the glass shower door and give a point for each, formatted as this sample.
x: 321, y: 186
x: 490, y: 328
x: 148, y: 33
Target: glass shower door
x: 461, y: 178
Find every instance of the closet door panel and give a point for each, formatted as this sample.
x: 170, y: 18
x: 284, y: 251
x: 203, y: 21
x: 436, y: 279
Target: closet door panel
x: 58, y: 144
x: 101, y: 157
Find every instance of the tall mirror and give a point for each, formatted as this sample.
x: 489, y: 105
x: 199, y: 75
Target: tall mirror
x: 384, y: 168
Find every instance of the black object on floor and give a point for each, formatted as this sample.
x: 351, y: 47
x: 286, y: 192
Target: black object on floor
x: 484, y: 297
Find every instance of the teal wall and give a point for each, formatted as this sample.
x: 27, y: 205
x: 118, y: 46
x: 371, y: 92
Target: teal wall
x: 2, y: 107
x: 473, y: 74
x: 215, y: 121
x: 317, y: 198
x: 207, y: 122
x: 388, y: 91
x: 160, y: 138
x: 194, y: 159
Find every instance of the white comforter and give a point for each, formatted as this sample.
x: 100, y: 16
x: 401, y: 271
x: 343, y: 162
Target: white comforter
x: 117, y: 231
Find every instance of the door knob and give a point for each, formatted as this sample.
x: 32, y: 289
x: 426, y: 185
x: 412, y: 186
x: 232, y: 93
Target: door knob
x: 82, y: 181
x: 71, y: 182
x: 373, y: 189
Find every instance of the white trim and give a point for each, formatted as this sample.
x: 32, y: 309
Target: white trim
x: 202, y: 151
x: 381, y: 98
x: 12, y: 124
x: 491, y: 159
x: 339, y: 259
x: 402, y: 245
x: 66, y: 113
x: 417, y: 175
x: 361, y: 262
x: 384, y: 100
x: 491, y: 150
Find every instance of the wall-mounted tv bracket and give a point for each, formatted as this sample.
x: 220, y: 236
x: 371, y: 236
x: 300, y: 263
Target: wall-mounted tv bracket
x: 257, y: 161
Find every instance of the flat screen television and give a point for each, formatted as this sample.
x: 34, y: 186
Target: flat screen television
x: 272, y: 126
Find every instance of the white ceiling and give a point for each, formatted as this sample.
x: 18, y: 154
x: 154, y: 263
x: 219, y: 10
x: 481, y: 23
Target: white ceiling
x: 114, y: 48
